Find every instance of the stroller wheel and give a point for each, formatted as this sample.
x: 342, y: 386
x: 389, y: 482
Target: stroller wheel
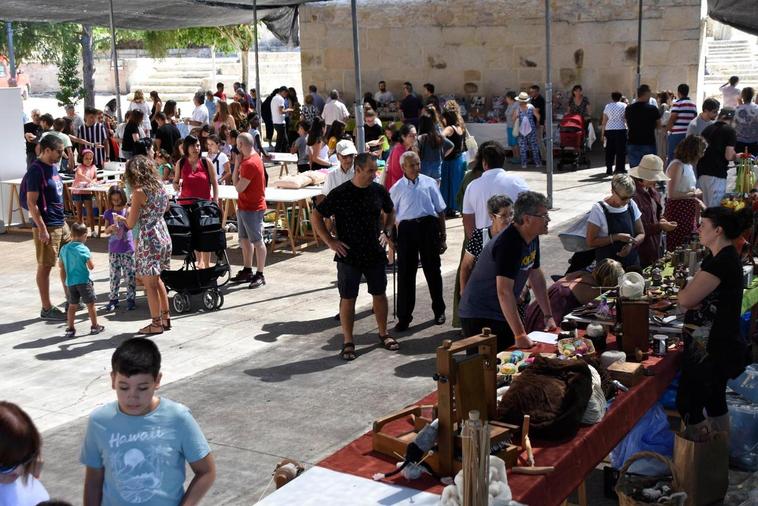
x: 181, y: 302
x: 210, y: 299
x: 220, y: 300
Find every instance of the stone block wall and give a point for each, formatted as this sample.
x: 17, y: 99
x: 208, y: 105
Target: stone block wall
x: 495, y: 46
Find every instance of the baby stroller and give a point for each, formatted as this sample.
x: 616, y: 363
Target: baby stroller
x: 196, y: 226
x: 573, y: 143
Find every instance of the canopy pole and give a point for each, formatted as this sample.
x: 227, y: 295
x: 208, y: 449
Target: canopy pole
x: 549, y: 104
x: 639, y: 46
x: 114, y: 53
x: 11, y: 53
x: 257, y: 68
x: 360, y: 137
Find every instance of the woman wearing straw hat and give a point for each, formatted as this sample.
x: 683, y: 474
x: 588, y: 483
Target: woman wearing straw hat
x: 648, y: 200
x: 529, y: 118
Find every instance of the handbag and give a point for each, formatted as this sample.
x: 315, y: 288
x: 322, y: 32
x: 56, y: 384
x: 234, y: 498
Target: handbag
x: 702, y: 467
x: 471, y: 146
x: 516, y: 125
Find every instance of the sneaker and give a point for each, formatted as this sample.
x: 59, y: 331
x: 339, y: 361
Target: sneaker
x: 70, y: 332
x: 53, y: 313
x: 257, y: 280
x: 96, y: 330
x: 131, y: 304
x: 112, y: 306
x: 242, y: 276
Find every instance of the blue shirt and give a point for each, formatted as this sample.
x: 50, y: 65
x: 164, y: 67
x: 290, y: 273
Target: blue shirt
x: 44, y: 179
x: 144, y: 456
x: 74, y: 256
x: 416, y: 199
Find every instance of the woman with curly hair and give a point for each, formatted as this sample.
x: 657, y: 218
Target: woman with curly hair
x: 240, y: 120
x: 683, y: 202
x: 152, y: 253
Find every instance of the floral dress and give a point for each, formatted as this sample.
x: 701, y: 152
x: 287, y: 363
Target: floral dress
x: 153, y: 251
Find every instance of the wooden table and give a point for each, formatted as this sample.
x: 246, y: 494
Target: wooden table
x: 283, y: 159
x: 292, y: 209
x: 14, y: 202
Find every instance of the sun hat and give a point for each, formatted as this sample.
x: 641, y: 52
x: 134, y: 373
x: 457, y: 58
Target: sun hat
x: 346, y: 148
x: 523, y: 97
x: 649, y: 169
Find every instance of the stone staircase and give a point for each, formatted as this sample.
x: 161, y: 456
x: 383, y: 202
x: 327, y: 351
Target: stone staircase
x: 174, y: 78
x: 725, y: 58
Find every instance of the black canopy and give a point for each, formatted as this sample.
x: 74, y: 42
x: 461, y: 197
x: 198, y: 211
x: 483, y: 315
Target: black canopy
x: 741, y: 14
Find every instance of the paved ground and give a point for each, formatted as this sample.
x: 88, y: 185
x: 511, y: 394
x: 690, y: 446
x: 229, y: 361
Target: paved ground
x: 261, y: 375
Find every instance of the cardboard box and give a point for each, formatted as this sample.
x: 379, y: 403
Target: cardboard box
x: 628, y: 373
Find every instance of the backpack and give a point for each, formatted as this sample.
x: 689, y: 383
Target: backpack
x: 24, y: 189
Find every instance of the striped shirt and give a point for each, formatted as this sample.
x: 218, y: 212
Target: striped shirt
x: 97, y: 135
x: 685, y: 110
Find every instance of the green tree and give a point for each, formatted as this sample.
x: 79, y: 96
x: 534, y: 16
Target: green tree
x: 71, y: 89
x: 40, y: 41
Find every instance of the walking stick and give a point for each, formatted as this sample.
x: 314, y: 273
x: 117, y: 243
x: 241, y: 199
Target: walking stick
x: 394, y: 290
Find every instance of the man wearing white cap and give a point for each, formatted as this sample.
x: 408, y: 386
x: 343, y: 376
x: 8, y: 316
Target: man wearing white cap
x: 346, y: 155
x: 648, y: 200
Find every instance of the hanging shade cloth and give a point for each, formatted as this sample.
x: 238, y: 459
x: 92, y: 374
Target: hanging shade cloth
x: 741, y: 14
x: 279, y: 16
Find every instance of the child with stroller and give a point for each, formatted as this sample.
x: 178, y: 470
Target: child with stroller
x: 120, y: 251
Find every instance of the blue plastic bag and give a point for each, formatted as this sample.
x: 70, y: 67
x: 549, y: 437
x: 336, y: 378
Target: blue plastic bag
x: 652, y: 434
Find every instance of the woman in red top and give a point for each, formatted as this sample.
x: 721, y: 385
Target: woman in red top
x: 405, y: 140
x: 195, y: 176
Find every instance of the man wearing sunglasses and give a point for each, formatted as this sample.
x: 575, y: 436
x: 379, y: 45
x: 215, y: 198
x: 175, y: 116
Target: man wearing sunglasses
x: 490, y: 298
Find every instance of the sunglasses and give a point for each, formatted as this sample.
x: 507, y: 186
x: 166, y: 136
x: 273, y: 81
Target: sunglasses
x: 545, y: 216
x: 9, y: 469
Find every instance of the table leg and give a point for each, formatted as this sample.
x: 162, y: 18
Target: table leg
x: 225, y: 213
x: 291, y: 223
x: 13, y: 196
x: 277, y: 214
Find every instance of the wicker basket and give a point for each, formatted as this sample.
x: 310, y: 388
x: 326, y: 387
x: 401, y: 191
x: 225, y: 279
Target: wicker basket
x: 627, y: 484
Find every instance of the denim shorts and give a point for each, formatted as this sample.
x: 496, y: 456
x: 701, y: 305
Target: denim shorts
x: 84, y: 292
x: 349, y: 279
x: 81, y: 197
x: 250, y: 225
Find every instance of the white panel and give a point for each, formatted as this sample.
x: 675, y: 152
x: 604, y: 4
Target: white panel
x: 12, y: 146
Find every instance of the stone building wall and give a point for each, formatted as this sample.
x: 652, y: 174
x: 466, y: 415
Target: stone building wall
x: 494, y: 46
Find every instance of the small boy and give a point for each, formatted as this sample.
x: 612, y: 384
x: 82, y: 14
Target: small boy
x: 301, y: 146
x: 135, y: 448
x: 75, y: 260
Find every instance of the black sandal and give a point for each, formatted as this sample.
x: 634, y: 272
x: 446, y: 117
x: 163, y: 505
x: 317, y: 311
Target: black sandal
x: 348, y: 352
x: 155, y: 327
x: 389, y: 342
x: 165, y: 316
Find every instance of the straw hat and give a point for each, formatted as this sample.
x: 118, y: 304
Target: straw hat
x: 649, y: 169
x: 523, y: 97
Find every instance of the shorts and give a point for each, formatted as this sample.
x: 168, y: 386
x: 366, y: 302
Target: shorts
x: 349, y: 279
x: 81, y: 197
x: 85, y: 292
x: 47, y: 254
x: 512, y: 141
x: 250, y: 225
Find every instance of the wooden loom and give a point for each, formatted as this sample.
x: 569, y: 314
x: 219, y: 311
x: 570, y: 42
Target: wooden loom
x: 465, y: 382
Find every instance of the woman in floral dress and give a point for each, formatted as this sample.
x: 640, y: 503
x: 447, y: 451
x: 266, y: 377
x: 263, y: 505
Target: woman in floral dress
x: 149, y: 201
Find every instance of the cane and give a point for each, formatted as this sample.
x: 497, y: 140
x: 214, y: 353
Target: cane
x: 394, y: 290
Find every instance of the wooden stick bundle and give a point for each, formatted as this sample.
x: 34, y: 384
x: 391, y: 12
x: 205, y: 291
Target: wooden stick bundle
x: 476, y: 453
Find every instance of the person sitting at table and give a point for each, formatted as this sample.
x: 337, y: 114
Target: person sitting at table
x: 683, y: 203
x: 501, y: 271
x: 249, y: 181
x: 614, y: 227
x: 420, y: 216
x: 335, y: 133
x: 714, y: 348
x: 84, y: 177
x: 194, y: 178
x: 318, y: 151
x: 574, y: 290
x: 338, y: 175
x: 646, y: 175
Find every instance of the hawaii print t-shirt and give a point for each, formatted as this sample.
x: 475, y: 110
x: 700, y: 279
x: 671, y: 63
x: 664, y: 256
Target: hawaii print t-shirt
x: 143, y: 456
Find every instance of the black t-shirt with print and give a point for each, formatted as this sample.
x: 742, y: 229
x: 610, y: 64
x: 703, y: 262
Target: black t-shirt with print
x: 515, y: 258
x: 357, y: 214
x: 719, y: 315
x: 719, y: 136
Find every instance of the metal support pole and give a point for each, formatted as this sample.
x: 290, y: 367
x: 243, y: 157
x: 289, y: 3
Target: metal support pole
x: 548, y: 104
x: 115, y: 65
x: 360, y: 137
x: 639, y: 47
x: 11, y: 53
x: 257, y: 68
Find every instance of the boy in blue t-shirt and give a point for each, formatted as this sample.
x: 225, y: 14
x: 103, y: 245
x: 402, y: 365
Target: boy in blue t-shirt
x: 75, y: 261
x: 135, y: 449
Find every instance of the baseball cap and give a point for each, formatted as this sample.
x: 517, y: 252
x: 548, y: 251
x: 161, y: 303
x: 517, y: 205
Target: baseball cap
x: 346, y: 148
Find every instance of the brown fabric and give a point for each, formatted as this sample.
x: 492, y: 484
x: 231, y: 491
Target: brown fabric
x: 649, y: 202
x: 555, y: 394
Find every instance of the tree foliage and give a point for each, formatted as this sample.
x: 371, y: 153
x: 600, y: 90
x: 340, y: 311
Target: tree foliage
x: 71, y: 89
x: 45, y: 42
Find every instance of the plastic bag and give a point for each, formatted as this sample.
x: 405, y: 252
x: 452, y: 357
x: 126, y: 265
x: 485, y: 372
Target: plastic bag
x: 596, y: 407
x: 651, y: 433
x: 746, y: 384
x: 743, y: 436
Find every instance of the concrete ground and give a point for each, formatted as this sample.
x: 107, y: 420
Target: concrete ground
x: 261, y: 375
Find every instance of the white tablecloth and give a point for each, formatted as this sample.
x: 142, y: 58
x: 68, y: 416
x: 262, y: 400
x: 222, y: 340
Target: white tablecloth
x: 488, y: 132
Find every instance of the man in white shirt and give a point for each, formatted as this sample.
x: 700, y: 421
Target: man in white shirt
x: 200, y: 115
x: 494, y: 181
x: 420, y: 215
x: 383, y: 96
x: 345, y: 154
x: 278, y: 108
x: 334, y: 110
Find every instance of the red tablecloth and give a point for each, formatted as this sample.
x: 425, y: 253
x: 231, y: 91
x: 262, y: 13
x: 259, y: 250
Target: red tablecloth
x: 573, y: 460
